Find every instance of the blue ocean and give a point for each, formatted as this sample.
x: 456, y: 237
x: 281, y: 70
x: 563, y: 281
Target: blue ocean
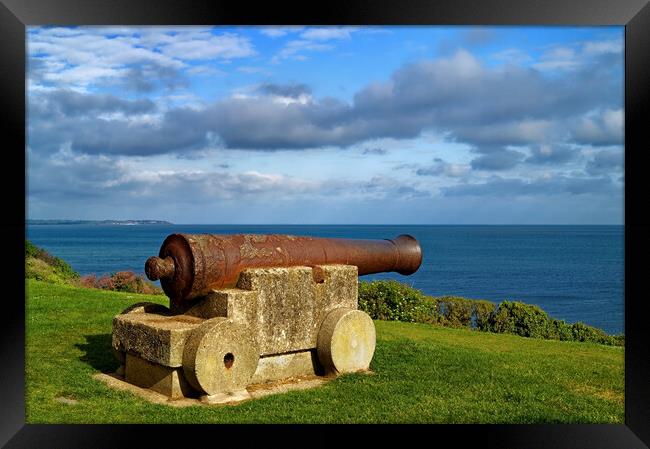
x: 574, y: 273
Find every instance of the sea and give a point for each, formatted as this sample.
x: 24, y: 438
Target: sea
x: 574, y: 273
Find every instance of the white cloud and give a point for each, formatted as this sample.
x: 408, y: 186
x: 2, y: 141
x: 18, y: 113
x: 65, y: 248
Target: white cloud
x: 204, y: 70
x: 614, y: 46
x: 252, y: 69
x: 293, y: 50
x: 83, y: 75
x: 577, y: 55
x: 76, y: 57
x: 558, y: 58
x: 600, y: 127
x: 328, y: 33
x: 513, y: 56
x: 280, y: 31
x: 311, y: 39
x: 113, y: 179
x: 223, y: 46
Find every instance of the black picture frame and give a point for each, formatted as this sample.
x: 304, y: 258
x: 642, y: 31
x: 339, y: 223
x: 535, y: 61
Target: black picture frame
x: 15, y: 15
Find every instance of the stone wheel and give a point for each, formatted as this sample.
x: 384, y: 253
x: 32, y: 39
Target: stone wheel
x: 346, y: 341
x: 220, y: 357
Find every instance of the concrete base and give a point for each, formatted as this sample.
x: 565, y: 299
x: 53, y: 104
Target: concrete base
x: 253, y: 391
x: 172, y: 383
x: 226, y: 398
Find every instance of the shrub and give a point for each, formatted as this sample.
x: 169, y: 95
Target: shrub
x: 41, y: 271
x: 457, y: 312
x: 582, y: 332
x: 31, y: 250
x: 87, y: 281
x: 483, y: 312
x: 122, y: 281
x: 391, y: 300
x: 428, y: 311
x: 105, y: 282
x: 560, y: 330
x: 61, y: 271
x: 529, y: 320
x: 519, y: 318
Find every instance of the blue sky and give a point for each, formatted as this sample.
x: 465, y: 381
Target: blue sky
x: 421, y: 125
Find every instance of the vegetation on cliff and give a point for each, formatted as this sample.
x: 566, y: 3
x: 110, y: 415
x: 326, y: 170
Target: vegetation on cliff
x: 42, y: 266
x: 392, y: 300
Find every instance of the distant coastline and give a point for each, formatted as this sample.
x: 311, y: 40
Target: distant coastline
x: 98, y: 222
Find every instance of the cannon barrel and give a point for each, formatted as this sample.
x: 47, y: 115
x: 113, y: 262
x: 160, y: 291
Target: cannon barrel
x: 190, y: 265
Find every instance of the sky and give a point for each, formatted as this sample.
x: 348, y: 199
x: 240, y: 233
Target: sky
x: 326, y: 125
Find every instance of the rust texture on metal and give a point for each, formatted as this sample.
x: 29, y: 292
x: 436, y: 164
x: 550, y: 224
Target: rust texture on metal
x: 190, y: 265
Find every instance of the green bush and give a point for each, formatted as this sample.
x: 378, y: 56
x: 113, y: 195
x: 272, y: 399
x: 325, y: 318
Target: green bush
x: 428, y: 311
x: 582, y: 332
x: 529, y: 320
x: 522, y: 319
x: 31, y: 250
x: 394, y: 301
x: 483, y: 311
x: 42, y: 271
x: 36, y: 270
x: 457, y: 312
x: 560, y: 330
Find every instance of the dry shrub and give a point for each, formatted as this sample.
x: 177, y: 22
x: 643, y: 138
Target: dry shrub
x: 122, y: 281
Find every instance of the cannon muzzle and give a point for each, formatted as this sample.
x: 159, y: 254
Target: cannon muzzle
x: 190, y: 265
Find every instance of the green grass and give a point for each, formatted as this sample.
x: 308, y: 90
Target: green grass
x: 422, y: 373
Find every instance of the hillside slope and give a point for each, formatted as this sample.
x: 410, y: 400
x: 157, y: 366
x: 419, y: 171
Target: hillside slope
x: 421, y: 373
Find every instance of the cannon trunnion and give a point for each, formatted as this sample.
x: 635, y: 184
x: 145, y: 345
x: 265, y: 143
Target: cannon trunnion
x: 244, y: 313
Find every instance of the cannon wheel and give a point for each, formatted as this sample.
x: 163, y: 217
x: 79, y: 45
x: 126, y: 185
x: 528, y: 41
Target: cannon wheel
x: 220, y: 357
x: 346, y: 341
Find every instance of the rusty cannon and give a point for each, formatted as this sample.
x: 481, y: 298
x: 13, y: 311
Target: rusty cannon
x: 249, y: 310
x: 190, y: 265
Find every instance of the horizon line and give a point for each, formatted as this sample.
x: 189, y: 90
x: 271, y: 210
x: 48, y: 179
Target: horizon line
x: 340, y: 224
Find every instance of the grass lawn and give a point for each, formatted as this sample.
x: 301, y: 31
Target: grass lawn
x: 422, y: 373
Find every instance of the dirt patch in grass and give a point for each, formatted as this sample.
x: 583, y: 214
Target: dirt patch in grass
x: 600, y: 393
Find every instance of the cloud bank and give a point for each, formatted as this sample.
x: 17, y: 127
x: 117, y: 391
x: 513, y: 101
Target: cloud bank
x: 103, y: 101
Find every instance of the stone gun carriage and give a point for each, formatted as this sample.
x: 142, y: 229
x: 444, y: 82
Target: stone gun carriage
x: 248, y: 309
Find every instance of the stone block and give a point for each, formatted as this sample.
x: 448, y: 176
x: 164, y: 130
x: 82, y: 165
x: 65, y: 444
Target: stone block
x: 157, y: 338
x: 163, y: 379
x: 290, y: 305
x: 284, y: 366
x: 229, y: 302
